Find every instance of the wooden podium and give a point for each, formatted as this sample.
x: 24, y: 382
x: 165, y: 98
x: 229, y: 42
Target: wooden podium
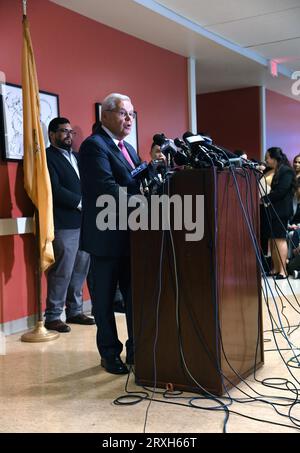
x: 211, y: 337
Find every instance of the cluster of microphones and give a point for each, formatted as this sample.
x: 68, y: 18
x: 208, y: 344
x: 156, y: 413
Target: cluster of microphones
x: 192, y: 151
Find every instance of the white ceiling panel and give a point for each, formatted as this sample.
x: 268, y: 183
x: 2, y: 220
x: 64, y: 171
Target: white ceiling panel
x: 221, y: 65
x: 274, y: 27
x: 286, y: 52
x: 209, y: 12
x: 227, y: 72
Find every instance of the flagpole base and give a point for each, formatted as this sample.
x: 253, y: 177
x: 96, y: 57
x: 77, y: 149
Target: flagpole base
x: 39, y: 334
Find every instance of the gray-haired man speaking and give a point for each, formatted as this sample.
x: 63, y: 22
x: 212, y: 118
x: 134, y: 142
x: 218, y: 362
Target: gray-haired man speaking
x: 105, y: 164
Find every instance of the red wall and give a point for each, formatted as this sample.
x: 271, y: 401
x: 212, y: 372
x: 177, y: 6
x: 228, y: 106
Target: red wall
x: 283, y: 123
x: 232, y: 119
x: 82, y: 61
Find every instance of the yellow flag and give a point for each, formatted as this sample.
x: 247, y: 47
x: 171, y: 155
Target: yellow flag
x: 36, y: 177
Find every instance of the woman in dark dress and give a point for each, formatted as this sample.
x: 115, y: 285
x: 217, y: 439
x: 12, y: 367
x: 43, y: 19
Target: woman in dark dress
x: 279, y: 203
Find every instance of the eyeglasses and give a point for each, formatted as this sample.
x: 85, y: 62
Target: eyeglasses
x: 123, y: 114
x: 66, y: 131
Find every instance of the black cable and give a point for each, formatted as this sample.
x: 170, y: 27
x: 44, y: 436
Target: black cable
x: 273, y: 406
x: 220, y: 333
x: 191, y: 403
x: 221, y: 405
x: 178, y: 324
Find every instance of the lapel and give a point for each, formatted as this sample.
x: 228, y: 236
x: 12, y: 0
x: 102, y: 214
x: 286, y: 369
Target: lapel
x: 64, y: 160
x: 116, y: 151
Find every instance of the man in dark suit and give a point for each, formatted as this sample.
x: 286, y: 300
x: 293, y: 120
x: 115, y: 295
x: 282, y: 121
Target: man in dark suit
x: 66, y: 277
x: 119, y: 305
x: 105, y: 164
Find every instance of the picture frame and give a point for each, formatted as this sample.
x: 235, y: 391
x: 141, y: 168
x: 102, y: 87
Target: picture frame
x: 132, y: 138
x: 11, y: 119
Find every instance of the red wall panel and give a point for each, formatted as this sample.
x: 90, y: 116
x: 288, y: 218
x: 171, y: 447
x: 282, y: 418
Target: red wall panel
x: 17, y: 279
x: 283, y: 123
x: 82, y: 61
x: 232, y: 118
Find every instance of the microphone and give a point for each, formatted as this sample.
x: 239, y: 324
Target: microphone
x: 180, y: 144
x: 181, y: 158
x: 183, y: 154
x: 207, y: 142
x: 192, y: 141
x: 216, y: 160
x: 159, y: 139
x: 166, y: 145
x: 159, y: 166
x: 221, y: 151
x: 202, y: 145
x: 186, y: 135
x: 254, y: 164
x: 207, y: 138
x: 169, y: 149
x: 142, y: 173
x: 159, y: 170
x: 259, y: 162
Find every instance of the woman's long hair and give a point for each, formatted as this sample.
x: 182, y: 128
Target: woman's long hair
x: 296, y: 157
x: 281, y: 158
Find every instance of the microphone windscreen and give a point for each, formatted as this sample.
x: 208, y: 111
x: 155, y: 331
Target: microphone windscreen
x: 178, y: 142
x: 187, y: 134
x: 159, y: 139
x: 141, y: 170
x: 207, y: 139
x: 180, y: 159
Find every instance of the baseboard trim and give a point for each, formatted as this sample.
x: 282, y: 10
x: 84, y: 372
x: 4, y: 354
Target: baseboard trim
x: 28, y: 322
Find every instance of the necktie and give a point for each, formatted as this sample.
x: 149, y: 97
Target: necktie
x: 125, y: 153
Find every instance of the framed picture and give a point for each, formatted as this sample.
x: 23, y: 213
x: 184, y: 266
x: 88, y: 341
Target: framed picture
x: 132, y: 138
x: 11, y: 119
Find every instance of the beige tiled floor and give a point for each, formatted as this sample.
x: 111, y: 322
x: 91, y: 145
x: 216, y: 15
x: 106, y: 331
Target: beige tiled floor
x: 60, y: 387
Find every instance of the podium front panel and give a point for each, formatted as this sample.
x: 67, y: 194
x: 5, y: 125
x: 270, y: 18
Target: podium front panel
x: 179, y: 341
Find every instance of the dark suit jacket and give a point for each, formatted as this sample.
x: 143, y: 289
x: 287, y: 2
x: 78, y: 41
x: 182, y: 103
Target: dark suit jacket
x: 281, y: 195
x: 66, y: 190
x: 103, y: 170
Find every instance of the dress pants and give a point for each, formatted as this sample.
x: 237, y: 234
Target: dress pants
x: 66, y: 277
x: 118, y: 299
x: 106, y: 272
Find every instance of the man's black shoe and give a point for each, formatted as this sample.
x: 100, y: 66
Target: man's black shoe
x: 81, y: 319
x: 57, y: 325
x: 114, y: 365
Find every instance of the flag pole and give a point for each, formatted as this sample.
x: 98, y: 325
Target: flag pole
x: 39, y: 333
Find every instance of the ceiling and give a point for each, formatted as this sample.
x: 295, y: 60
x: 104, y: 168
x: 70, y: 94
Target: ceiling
x: 232, y: 40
